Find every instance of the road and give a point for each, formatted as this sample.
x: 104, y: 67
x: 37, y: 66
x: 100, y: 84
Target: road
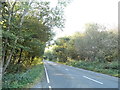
x: 63, y: 76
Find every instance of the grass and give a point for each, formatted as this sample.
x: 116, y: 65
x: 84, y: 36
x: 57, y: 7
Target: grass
x: 23, y: 80
x: 110, y: 68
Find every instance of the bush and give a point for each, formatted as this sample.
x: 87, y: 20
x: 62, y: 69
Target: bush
x: 21, y: 80
x: 110, y: 68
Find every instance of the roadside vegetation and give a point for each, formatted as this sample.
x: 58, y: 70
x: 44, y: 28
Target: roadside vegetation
x: 96, y: 49
x: 27, y: 27
x: 24, y: 79
x: 110, y: 68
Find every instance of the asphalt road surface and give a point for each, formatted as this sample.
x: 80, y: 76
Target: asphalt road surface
x: 63, y: 76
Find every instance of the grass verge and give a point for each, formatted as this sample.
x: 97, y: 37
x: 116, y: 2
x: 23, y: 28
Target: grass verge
x: 110, y: 68
x: 23, y: 80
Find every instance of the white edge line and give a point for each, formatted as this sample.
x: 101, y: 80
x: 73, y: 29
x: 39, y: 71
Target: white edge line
x: 48, y: 80
x: 92, y: 79
x: 50, y: 87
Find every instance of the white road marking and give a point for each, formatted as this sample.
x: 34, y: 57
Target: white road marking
x: 92, y: 79
x: 50, y: 88
x: 66, y: 69
x: 48, y: 80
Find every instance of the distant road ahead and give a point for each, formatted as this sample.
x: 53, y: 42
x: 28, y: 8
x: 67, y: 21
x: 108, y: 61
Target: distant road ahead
x: 63, y: 76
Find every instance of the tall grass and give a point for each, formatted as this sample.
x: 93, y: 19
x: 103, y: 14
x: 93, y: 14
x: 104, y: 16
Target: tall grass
x: 21, y: 80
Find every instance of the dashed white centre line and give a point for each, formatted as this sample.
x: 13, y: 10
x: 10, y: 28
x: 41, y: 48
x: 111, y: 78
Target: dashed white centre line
x: 66, y: 69
x: 48, y: 80
x: 93, y: 80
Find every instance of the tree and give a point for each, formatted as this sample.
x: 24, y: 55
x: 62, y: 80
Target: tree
x: 96, y: 43
x: 27, y: 27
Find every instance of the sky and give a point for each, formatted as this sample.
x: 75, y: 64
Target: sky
x: 80, y: 12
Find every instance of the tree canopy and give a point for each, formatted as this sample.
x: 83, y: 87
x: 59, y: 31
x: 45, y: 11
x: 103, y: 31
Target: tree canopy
x: 26, y: 28
x: 96, y: 43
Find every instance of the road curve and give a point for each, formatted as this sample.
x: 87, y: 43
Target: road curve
x: 63, y: 76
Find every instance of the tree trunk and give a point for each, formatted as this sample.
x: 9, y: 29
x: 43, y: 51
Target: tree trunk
x: 21, y: 50
x: 8, y: 61
x: 4, y: 52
